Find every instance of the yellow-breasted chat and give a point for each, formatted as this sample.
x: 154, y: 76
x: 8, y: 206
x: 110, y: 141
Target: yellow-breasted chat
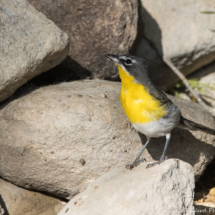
x: 149, y: 110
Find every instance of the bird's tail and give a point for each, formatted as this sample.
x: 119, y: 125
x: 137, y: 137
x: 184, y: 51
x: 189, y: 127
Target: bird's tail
x: 187, y: 124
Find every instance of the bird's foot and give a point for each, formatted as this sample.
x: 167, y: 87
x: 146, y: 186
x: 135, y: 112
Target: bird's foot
x: 162, y: 159
x: 135, y: 163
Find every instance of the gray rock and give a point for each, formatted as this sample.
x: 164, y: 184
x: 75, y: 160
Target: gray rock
x: 165, y: 189
x: 18, y: 201
x: 177, y: 30
x: 30, y: 44
x: 60, y: 138
x: 95, y: 28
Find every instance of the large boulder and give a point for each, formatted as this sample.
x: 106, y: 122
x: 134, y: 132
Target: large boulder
x: 179, y: 31
x: 59, y: 138
x: 30, y: 44
x: 165, y: 189
x: 18, y: 201
x: 95, y: 28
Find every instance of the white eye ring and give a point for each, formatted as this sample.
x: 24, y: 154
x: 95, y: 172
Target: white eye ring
x: 128, y: 62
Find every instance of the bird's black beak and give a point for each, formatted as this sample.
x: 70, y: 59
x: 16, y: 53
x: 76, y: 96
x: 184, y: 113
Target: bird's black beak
x: 113, y: 57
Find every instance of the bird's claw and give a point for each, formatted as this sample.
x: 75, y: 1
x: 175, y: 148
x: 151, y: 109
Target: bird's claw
x: 162, y: 159
x: 135, y: 163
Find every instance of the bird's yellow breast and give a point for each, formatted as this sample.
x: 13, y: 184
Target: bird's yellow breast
x: 138, y: 104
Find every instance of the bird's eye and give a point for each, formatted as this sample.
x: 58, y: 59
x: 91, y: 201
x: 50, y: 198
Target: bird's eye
x: 128, y: 61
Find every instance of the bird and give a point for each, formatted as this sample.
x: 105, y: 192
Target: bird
x: 148, y: 109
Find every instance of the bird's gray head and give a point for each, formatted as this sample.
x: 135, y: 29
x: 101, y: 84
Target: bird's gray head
x: 134, y: 66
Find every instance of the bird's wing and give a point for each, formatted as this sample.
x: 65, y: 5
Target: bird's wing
x: 160, y: 96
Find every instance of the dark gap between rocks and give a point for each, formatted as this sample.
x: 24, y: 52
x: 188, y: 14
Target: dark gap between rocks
x: 66, y: 71
x: 3, y: 207
x: 205, y: 182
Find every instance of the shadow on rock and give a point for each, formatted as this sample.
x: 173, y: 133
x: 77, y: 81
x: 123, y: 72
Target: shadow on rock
x: 161, y: 75
x: 3, y: 208
x: 68, y: 70
x: 156, y: 31
x: 183, y: 145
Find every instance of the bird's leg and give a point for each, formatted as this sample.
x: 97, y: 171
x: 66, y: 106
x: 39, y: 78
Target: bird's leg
x: 163, y: 157
x: 137, y: 160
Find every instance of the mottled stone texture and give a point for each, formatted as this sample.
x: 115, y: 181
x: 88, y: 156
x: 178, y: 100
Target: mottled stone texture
x: 95, y: 28
x: 29, y: 45
x: 59, y: 138
x: 164, y: 189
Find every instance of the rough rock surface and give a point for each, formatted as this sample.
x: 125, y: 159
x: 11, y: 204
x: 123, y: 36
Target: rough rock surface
x: 18, y: 201
x: 95, y: 28
x: 164, y: 189
x: 30, y: 44
x: 185, y: 36
x: 59, y: 138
